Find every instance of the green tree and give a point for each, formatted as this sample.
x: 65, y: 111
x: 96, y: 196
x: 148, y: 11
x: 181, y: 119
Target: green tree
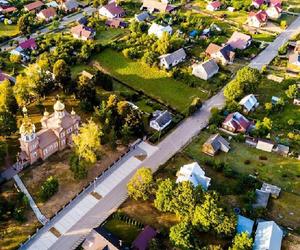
x: 86, y: 93
x: 8, y: 123
x: 62, y: 73
x: 48, y: 188
x: 140, y: 185
x: 15, y: 58
x: 78, y: 167
x: 264, y: 126
x: 242, y: 242
x: 292, y: 91
x: 233, y: 90
x: 163, y: 44
x: 7, y: 99
x: 87, y: 142
x: 180, y: 235
x: 164, y: 195
x: 3, y: 152
x: 24, y: 90
x: 268, y: 107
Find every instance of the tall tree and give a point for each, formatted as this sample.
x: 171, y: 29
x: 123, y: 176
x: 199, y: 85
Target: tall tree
x: 164, y: 195
x: 8, y: 123
x: 62, y: 74
x: 140, y: 185
x: 87, y: 142
x: 7, y: 99
x: 24, y: 89
x: 242, y: 242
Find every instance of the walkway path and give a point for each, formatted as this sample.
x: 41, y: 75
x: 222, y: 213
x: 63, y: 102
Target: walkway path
x: 34, y: 207
x: 267, y: 55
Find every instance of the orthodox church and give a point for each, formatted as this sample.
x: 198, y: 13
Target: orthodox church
x: 55, y: 135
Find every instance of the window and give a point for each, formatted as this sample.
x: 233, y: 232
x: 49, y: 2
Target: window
x: 62, y: 134
x: 45, y: 151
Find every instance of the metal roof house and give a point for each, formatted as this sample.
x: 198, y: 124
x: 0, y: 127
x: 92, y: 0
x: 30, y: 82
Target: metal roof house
x: 249, y: 103
x: 272, y: 189
x: 244, y: 225
x: 143, y: 239
x: 268, y: 236
x: 194, y: 173
x: 214, y: 144
x: 142, y: 16
x: 206, y: 69
x: 160, y: 120
x: 159, y: 30
x: 172, y: 59
x: 262, y: 199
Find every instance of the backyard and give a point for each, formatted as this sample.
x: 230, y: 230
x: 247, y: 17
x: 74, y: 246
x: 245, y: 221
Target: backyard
x: 154, y: 82
x: 8, y: 30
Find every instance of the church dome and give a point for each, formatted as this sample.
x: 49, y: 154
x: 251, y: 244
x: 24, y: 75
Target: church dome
x: 27, y: 127
x: 46, y: 113
x: 73, y: 113
x: 59, y: 106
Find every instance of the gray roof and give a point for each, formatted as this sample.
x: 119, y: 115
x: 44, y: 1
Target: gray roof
x: 71, y: 4
x: 210, y: 66
x: 142, y: 16
x: 163, y: 118
x: 216, y: 140
x: 175, y: 56
x: 274, y: 190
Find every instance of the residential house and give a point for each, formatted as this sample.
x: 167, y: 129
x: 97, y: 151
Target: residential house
x: 172, y: 59
x: 257, y: 3
x: 237, y: 123
x: 100, y: 238
x: 55, y: 135
x: 47, y: 14
x: 296, y: 101
x: 24, y: 47
x: 274, y: 12
x: 35, y: 6
x: 258, y: 19
x: 159, y: 30
x: 249, y: 103
x: 214, y: 5
x: 194, y: 173
x: 144, y: 238
x: 53, y: 4
x: 205, y: 70
x: 69, y: 6
x: 154, y: 6
x: 273, y: 190
x: 28, y: 44
x: 3, y: 77
x: 116, y: 23
x: 239, y: 40
x: 275, y: 100
x: 282, y: 150
x: 268, y: 236
x: 160, y: 120
x: 265, y: 145
x: 297, y: 47
x: 261, y: 199
x: 7, y: 9
x: 143, y: 16
x: 223, y: 55
x: 112, y: 10
x: 214, y: 144
x: 244, y: 225
x: 294, y: 62
x: 83, y: 32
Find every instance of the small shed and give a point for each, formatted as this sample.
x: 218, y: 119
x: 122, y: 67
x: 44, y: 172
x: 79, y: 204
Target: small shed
x: 143, y: 239
x: 282, y: 149
x: 265, y: 145
x: 262, y: 199
x: 272, y: 189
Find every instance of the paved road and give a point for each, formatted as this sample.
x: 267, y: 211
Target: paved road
x: 34, y: 207
x: 65, y: 20
x: 266, y: 56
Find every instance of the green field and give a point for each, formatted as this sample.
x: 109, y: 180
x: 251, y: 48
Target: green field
x: 8, y: 30
x: 152, y: 81
x: 104, y: 37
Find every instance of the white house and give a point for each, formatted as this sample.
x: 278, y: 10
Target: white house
x: 111, y: 10
x: 249, y: 103
x: 172, y: 59
x: 206, y: 69
x: 274, y: 12
x: 194, y: 173
x: 268, y: 236
x: 158, y: 30
x: 160, y: 120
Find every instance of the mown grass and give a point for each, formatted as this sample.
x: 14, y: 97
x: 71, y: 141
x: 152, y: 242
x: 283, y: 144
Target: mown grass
x: 8, y: 30
x: 154, y: 82
x: 108, y: 35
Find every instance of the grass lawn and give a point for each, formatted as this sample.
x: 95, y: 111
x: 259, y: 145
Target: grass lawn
x: 264, y: 37
x: 124, y: 231
x: 8, y: 30
x: 152, y: 81
x: 104, y: 37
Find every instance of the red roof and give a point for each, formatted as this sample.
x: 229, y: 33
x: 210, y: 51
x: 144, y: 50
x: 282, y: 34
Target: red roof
x: 258, y: 2
x: 28, y: 44
x: 261, y: 16
x: 215, y: 4
x: 49, y: 12
x: 34, y: 5
x: 2, y: 76
x: 275, y: 2
x: 238, y: 122
x: 8, y: 9
x: 114, y: 9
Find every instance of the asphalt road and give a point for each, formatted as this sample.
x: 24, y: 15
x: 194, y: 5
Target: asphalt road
x: 267, y: 55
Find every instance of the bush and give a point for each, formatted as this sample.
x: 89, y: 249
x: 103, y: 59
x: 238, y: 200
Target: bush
x: 48, y: 188
x: 78, y: 167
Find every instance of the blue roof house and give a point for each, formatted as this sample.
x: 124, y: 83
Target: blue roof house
x: 244, y: 225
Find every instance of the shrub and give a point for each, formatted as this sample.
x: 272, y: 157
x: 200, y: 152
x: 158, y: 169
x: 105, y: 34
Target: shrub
x: 48, y: 188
